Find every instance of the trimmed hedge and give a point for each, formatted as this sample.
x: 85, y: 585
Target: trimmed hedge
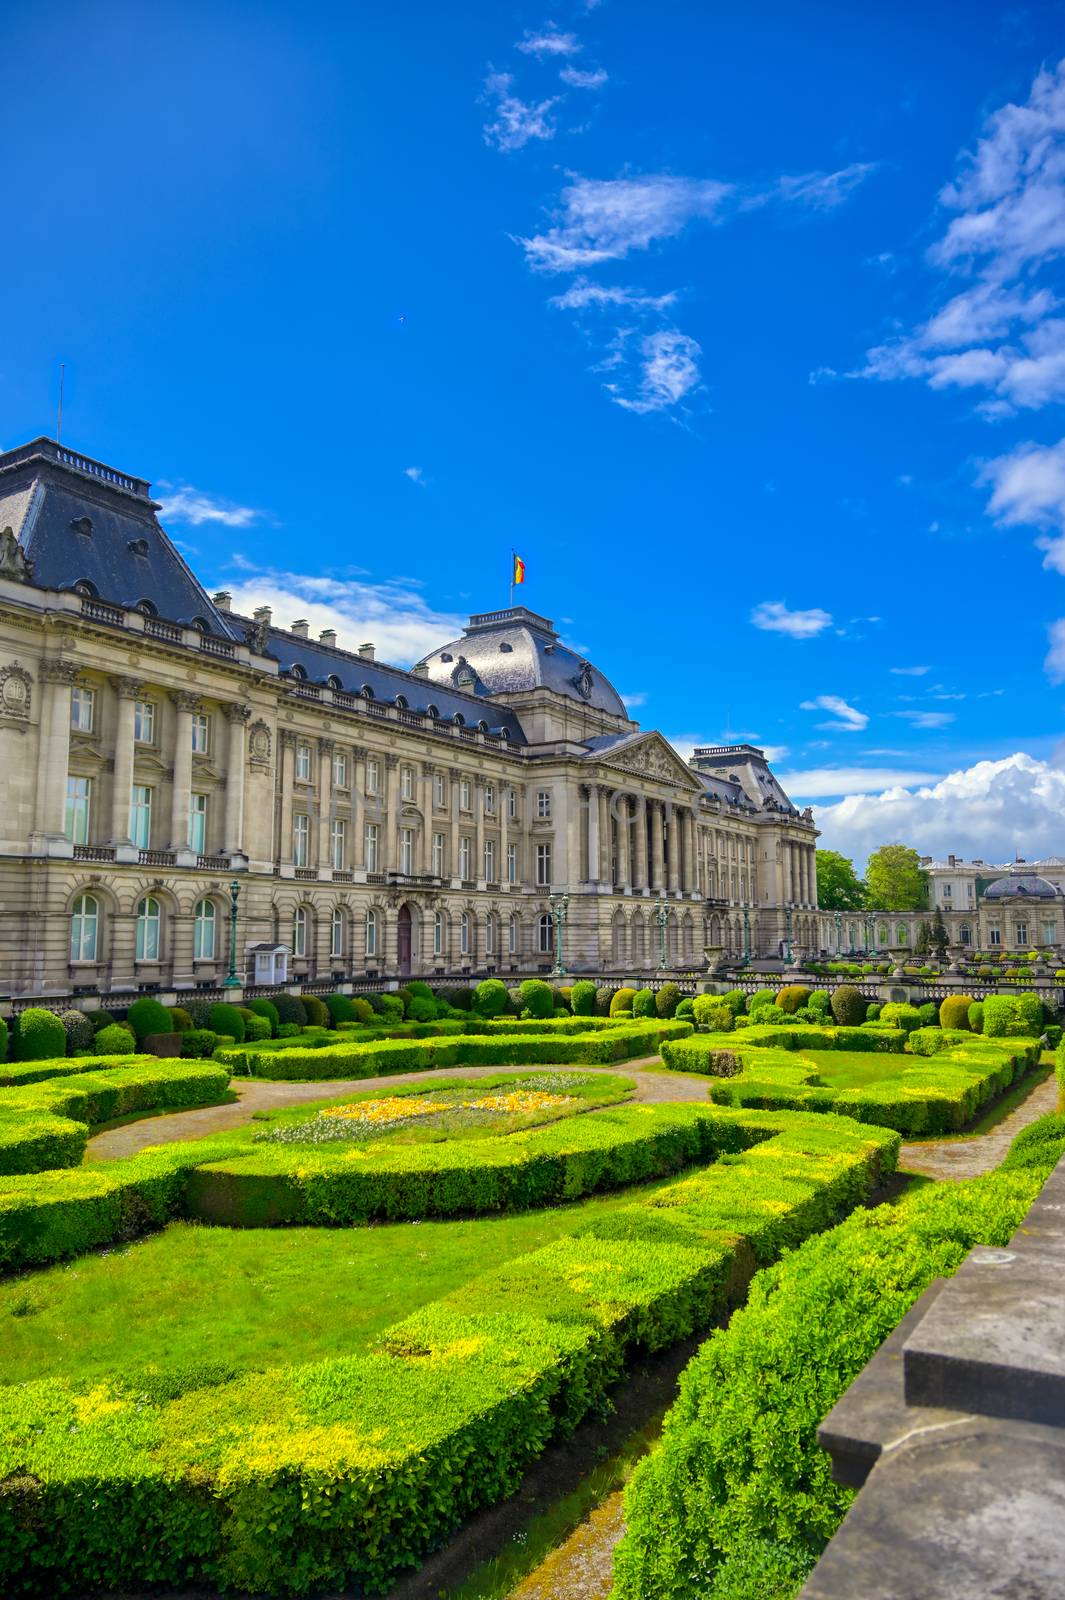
x: 738, y: 1499
x: 41, y: 1035
x: 224, y: 1018
x: 147, y: 1016
x: 343, y: 1474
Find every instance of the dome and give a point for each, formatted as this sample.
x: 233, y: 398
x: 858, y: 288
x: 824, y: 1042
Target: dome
x: 1026, y: 886
x: 509, y: 652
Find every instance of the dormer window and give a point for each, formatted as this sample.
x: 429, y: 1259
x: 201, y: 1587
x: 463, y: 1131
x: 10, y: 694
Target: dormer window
x: 298, y: 672
x: 366, y: 692
x: 333, y: 682
x: 139, y: 547
x: 506, y: 649
x: 146, y: 608
x: 87, y: 590
x: 432, y: 711
x: 401, y: 702
x: 447, y: 656
x: 201, y: 624
x: 82, y: 525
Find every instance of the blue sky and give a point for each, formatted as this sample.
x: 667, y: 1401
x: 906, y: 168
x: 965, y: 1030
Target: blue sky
x: 742, y: 327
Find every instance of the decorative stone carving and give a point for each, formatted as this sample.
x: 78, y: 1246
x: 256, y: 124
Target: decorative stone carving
x: 651, y: 759
x: 13, y: 560
x: 185, y: 700
x: 128, y: 688
x: 258, y: 636
x: 288, y: 739
x: 583, y: 682
x: 259, y: 744
x: 326, y: 748
x: 235, y: 711
x: 391, y: 762
x: 16, y: 688
x: 57, y: 671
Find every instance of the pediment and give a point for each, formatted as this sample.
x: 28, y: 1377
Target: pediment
x: 651, y: 757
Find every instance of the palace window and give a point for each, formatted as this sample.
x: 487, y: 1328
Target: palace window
x: 76, y: 824
x: 464, y: 858
x: 1049, y: 932
x: 301, y: 840
x: 336, y: 934
x: 490, y: 937
x: 148, y: 924
x: 512, y: 936
x: 406, y: 850
x: 371, y: 846
x: 84, y: 928
x: 546, y: 934
x: 201, y: 733
x: 338, y: 844
x: 464, y: 934
x: 198, y: 823
x: 299, y: 931
x: 438, y: 855
x: 373, y: 777
x: 82, y: 707
x: 439, y: 791
x: 204, y: 931
x: 1020, y: 934
x: 144, y: 722
x: 512, y: 803
x: 543, y: 803
x: 994, y: 937
x: 965, y: 933
x: 407, y: 783
x: 464, y: 794
x: 489, y: 860
x: 438, y: 933
x: 371, y: 933
x: 303, y: 763
x: 543, y: 865
x: 512, y: 863
x: 489, y: 798
x: 340, y: 769
x: 140, y: 816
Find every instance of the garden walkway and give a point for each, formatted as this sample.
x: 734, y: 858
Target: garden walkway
x: 959, y: 1158
x: 652, y: 1088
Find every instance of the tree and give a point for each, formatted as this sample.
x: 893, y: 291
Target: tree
x: 923, y: 942
x: 839, y: 887
x: 939, y: 937
x: 894, y: 880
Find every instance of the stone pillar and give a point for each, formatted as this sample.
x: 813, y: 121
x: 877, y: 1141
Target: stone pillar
x: 593, y: 833
x: 658, y: 864
x: 325, y: 806
x: 688, y: 883
x: 811, y: 857
x: 605, y: 874
x: 128, y: 690
x: 181, y: 793
x: 391, y: 805
x: 621, y: 806
x: 358, y: 812
x: 284, y: 821
x: 639, y: 876
x: 673, y: 825
x: 54, y: 756
x: 453, y: 856
x: 425, y: 854
x: 504, y: 845
x: 478, y: 842
x: 237, y: 716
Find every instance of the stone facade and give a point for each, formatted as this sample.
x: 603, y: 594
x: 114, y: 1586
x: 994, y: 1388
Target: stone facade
x: 379, y: 822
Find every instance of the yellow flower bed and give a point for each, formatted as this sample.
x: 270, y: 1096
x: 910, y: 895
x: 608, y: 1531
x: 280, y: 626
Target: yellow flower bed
x: 393, y: 1108
x: 521, y: 1101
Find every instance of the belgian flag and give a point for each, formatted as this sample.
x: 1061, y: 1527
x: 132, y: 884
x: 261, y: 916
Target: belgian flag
x: 518, y: 574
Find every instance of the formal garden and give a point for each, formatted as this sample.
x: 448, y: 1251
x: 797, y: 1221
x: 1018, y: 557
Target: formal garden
x: 298, y: 1353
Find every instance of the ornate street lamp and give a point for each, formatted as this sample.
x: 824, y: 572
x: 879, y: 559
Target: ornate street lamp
x: 787, y: 933
x: 558, y: 909
x: 231, y: 981
x: 746, y: 934
x: 839, y: 934
x: 661, y: 916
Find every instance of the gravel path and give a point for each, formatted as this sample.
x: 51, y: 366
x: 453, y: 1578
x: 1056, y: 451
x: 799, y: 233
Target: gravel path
x: 968, y: 1158
x: 652, y: 1088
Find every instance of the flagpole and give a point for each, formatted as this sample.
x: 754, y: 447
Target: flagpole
x: 512, y: 577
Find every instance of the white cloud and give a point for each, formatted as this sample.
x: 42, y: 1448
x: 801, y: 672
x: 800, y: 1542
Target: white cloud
x: 1054, y: 665
x: 909, y: 672
x: 774, y: 617
x: 1028, y: 488
x: 583, y: 294
x: 813, y: 783
x: 848, y: 718
x: 667, y: 371
x: 516, y: 121
x: 632, y: 702
x: 415, y: 475
x: 606, y: 219
x: 823, y: 191
x: 994, y: 809
x: 926, y: 719
x: 584, y: 80
x: 182, y: 503
x: 549, y: 41
x: 392, y: 614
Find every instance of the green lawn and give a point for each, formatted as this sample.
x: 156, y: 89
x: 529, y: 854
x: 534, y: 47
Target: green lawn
x: 856, y: 1069
x: 256, y: 1297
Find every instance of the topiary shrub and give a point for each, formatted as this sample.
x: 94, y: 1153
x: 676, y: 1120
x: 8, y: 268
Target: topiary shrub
x: 768, y: 1012
x: 820, y: 1002
x: 288, y: 1030
x: 340, y: 1008
x: 622, y: 1001
x: 954, y: 1011
x: 227, y: 1019
x: 267, y: 1009
x: 317, y: 1012
x: 643, y: 1003
x: 462, y: 999
x: 199, y: 1009
x: 1031, y: 1012
x: 490, y: 998
x: 419, y: 990
x: 667, y: 1000
x: 290, y: 1008
x: 927, y: 1014
x: 1011, y: 1016
x: 536, y: 998
x: 873, y: 1012
x: 713, y: 1011
x: 686, y: 1011
x: 900, y: 1014
x: 99, y: 1019
x: 792, y: 997
x: 147, y: 1016
x: 78, y: 1030
x: 115, y: 1040
x: 422, y: 1010
x: 404, y: 996
x: 976, y: 1016
x: 199, y: 1043
x: 582, y: 998
x: 255, y: 1027
x: 736, y: 1001
x: 3, y: 1040
x: 41, y: 1035
x: 761, y: 997
x: 848, y: 1007
x: 391, y: 1008
x: 363, y: 1010
x: 604, y: 995
x: 180, y: 1021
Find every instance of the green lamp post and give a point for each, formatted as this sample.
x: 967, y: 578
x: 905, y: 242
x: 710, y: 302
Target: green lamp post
x: 661, y: 916
x: 231, y: 981
x: 558, y: 909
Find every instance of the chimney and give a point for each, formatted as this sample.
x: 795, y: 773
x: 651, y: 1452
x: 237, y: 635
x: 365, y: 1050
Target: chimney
x: 366, y: 651
x: 223, y: 600
x: 951, y: 861
x: 263, y: 614
x: 328, y: 636
x: 420, y: 671
x: 300, y: 628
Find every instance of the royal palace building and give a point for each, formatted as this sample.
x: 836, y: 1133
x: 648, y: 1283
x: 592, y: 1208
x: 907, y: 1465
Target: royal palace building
x: 160, y: 751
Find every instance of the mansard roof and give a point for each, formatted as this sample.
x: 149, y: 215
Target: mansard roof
x: 81, y: 523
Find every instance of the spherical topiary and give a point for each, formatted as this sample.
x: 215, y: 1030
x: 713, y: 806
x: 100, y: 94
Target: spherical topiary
x: 761, y: 997
x: 1030, y: 1010
x: 954, y: 1011
x: 115, y: 1040
x: 873, y: 1013
x: 643, y: 1003
x: 255, y: 1027
x: 976, y: 1016
x: 363, y: 1010
x: 582, y: 999
x: 180, y: 1021
x: 667, y: 1000
x: 622, y: 1001
x: 603, y: 996
x: 713, y: 1012
x: 147, y: 1016
x: 419, y: 990
x: 340, y: 1008
x: 766, y: 1015
x: 736, y: 1001
x: 199, y: 1043
x: 78, y: 1030
x: 317, y: 1012
x: 792, y: 996
x: 391, y: 1008
x: 461, y: 999
x: 41, y: 1035
x: 820, y: 1002
x: 99, y: 1019
x: 227, y: 1019
x: 267, y: 1009
x: 685, y: 1012
x: 199, y: 1009
x: 289, y: 1008
x: 927, y: 1014
x: 848, y: 1007
x: 490, y: 998
x: 422, y: 1010
x: 900, y: 1014
x: 537, y: 998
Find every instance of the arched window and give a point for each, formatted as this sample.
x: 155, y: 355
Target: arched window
x: 458, y: 719
x: 204, y: 931
x: 371, y: 933
x: 333, y: 682
x: 401, y: 702
x: 336, y: 934
x: 146, y: 608
x: 902, y: 934
x: 148, y: 921
x: 432, y: 711
x: 965, y: 933
x: 84, y: 928
x: 438, y: 933
x: 545, y: 934
x: 299, y: 931
x: 464, y: 934
x: 882, y: 934
x: 490, y: 936
x: 512, y: 936
x: 366, y: 692
x: 298, y: 672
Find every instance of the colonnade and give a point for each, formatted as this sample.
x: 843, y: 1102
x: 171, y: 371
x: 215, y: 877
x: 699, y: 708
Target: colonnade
x: 638, y: 843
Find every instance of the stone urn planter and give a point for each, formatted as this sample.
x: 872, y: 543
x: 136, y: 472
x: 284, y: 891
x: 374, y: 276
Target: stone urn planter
x: 715, y: 957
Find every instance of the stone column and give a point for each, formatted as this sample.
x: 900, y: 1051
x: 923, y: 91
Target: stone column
x: 605, y: 874
x: 425, y: 854
x: 639, y: 877
x: 658, y: 864
x: 673, y: 825
x: 325, y: 806
x: 358, y: 811
x: 391, y: 805
x: 593, y: 833
x: 184, y: 704
x: 688, y: 882
x: 54, y: 755
x: 504, y: 845
x: 237, y: 716
x: 478, y: 842
x: 811, y: 857
x: 621, y: 806
x: 128, y: 690
x: 284, y: 821
x: 453, y: 857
